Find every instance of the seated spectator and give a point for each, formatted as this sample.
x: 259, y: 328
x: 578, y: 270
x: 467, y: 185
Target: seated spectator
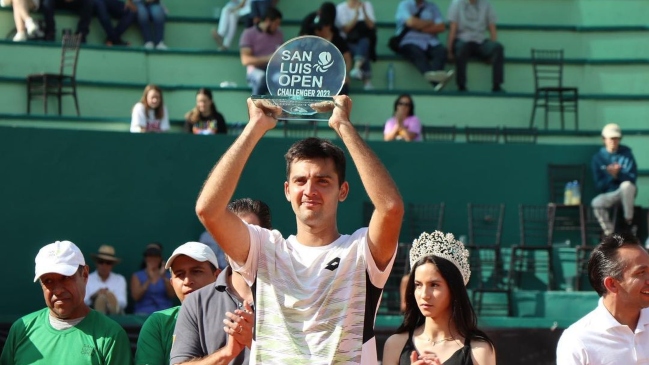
x: 150, y: 287
x: 228, y: 22
x: 403, y: 125
x: 324, y: 27
x: 26, y: 27
x: 204, y: 118
x: 106, y: 290
x: 151, y: 15
x: 615, y: 172
x: 66, y: 331
x: 420, y: 44
x: 469, y: 21
x: 327, y: 9
x: 207, y: 239
x: 192, y: 266
x: 356, y: 20
x: 150, y: 114
x: 124, y: 12
x: 256, y: 47
x: 258, y: 9
x: 81, y: 7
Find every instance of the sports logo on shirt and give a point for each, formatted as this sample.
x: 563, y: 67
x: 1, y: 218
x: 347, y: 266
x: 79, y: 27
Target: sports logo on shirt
x: 333, y: 264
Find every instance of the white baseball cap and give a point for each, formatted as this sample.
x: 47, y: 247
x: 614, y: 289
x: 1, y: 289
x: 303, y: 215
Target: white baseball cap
x: 196, y: 250
x: 611, y: 130
x: 61, y: 257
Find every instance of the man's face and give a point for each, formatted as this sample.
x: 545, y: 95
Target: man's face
x: 64, y: 294
x: 273, y: 25
x: 313, y: 191
x: 611, y: 144
x: 633, y: 290
x: 104, y: 267
x: 188, y: 275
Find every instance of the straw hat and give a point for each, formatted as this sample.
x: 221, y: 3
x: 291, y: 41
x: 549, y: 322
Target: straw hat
x: 107, y: 253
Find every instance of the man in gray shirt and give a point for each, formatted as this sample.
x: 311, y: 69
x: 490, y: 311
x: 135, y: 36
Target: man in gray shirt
x: 469, y: 21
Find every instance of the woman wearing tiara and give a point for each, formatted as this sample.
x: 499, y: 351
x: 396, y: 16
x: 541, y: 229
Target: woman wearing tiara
x: 439, y: 325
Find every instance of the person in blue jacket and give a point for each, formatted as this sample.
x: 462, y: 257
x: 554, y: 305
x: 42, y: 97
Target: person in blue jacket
x: 615, y: 173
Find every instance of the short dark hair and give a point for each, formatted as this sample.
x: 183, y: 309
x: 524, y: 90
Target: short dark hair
x: 412, y: 104
x: 272, y: 13
x: 313, y: 147
x: 256, y: 207
x: 604, y: 260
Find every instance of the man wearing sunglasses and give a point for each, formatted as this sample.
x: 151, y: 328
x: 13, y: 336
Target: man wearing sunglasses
x: 106, y: 290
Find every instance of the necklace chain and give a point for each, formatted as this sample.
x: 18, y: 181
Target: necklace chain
x: 438, y: 341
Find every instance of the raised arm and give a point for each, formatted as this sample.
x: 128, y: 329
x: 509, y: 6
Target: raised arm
x: 226, y: 228
x: 385, y: 223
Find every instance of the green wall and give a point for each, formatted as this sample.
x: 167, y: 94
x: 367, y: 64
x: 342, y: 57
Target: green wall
x: 129, y: 189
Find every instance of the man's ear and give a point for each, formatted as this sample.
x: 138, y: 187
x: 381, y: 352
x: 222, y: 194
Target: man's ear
x: 611, y: 285
x: 286, y: 193
x: 344, y: 191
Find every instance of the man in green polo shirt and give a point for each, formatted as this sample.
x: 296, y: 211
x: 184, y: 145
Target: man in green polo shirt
x: 67, y: 331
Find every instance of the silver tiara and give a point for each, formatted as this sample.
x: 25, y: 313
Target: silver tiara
x: 441, y: 245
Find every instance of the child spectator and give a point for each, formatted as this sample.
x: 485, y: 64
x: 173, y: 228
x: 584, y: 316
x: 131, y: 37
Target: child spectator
x: 228, y: 22
x: 204, y: 118
x: 151, y: 12
x: 150, y: 114
x: 26, y: 27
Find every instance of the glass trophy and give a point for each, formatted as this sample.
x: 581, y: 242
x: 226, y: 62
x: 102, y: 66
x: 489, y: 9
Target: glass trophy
x: 302, y: 76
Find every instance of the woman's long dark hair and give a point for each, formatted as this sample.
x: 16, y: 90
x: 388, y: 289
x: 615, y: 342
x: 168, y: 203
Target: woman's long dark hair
x: 462, y: 318
x: 194, y: 115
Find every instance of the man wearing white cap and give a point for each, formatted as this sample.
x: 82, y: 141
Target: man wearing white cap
x: 615, y: 173
x: 193, y: 265
x: 106, y: 290
x: 67, y: 331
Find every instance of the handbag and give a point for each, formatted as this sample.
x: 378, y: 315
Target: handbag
x: 395, y: 41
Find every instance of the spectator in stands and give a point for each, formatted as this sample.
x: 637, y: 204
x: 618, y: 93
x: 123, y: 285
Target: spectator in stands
x: 67, y: 331
x: 207, y: 239
x: 258, y: 9
x: 124, y: 12
x: 151, y: 14
x: 356, y: 20
x: 404, y: 124
x: 230, y: 14
x: 198, y: 335
x: 439, y: 325
x: 150, y: 287
x: 615, y: 172
x: 150, y: 115
x: 192, y: 266
x: 422, y: 21
x: 106, y: 290
x: 326, y: 9
x: 257, y: 45
x: 26, y: 27
x: 81, y: 7
x: 324, y: 27
x: 617, y: 330
x: 317, y: 266
x: 204, y: 118
x: 469, y: 21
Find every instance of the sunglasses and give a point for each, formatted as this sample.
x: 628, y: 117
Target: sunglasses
x: 404, y: 103
x: 104, y: 262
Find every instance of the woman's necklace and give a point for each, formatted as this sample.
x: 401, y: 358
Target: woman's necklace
x: 438, y: 341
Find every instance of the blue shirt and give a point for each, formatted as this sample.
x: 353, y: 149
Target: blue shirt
x: 431, y: 12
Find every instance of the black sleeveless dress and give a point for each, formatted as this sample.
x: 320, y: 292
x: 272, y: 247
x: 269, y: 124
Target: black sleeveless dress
x: 460, y: 357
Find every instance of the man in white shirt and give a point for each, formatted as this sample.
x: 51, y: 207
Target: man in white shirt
x: 317, y: 291
x: 106, y: 290
x: 617, y: 331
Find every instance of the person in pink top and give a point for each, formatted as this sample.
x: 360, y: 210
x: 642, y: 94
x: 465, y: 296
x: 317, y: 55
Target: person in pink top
x: 403, y: 125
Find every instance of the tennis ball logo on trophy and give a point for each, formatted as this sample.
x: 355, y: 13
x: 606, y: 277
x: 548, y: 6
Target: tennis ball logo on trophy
x: 324, y: 62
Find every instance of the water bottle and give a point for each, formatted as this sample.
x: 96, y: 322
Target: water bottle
x: 576, y: 193
x: 567, y: 194
x: 390, y: 75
